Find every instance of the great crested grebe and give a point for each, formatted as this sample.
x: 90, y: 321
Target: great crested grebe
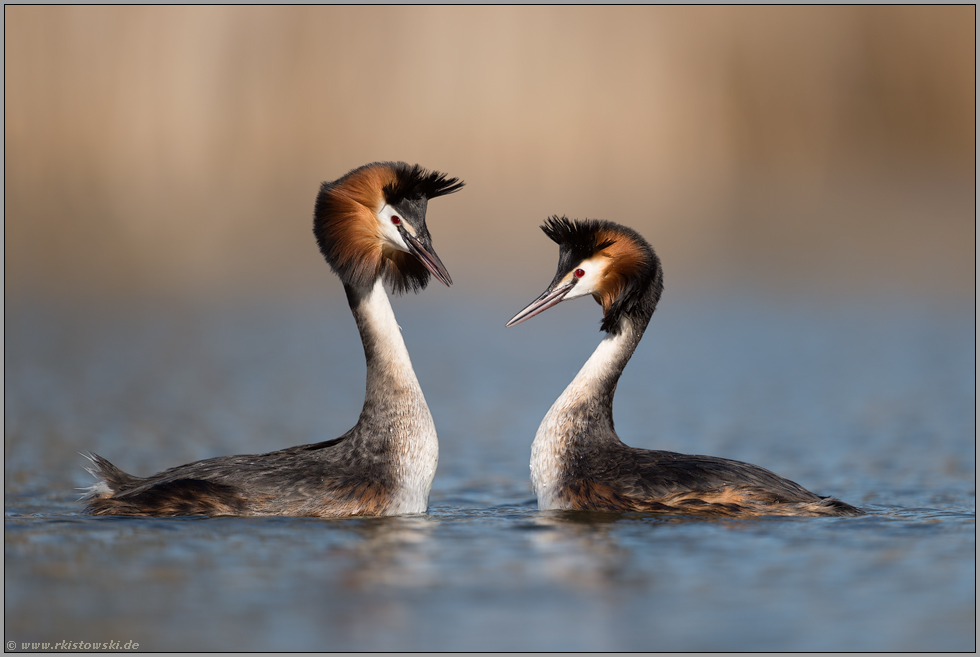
x: 577, y: 460
x: 370, y: 226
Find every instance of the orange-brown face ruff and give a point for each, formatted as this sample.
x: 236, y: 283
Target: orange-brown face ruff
x: 625, y: 259
x: 596, y: 258
x: 371, y: 223
x: 353, y: 232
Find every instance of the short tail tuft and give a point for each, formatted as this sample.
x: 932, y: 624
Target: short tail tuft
x: 111, y: 480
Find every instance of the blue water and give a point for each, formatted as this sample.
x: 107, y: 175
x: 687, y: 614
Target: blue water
x: 874, y: 405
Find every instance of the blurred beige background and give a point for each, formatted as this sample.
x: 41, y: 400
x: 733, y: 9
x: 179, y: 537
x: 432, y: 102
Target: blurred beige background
x: 178, y: 150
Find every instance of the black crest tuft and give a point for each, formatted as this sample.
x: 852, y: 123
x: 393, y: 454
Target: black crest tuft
x: 579, y: 240
x: 413, y: 182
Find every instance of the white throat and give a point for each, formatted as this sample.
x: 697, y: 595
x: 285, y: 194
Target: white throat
x: 397, y: 399
x: 383, y: 329
x: 577, y: 412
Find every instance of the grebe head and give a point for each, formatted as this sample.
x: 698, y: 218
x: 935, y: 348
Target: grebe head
x: 611, y: 262
x: 371, y: 223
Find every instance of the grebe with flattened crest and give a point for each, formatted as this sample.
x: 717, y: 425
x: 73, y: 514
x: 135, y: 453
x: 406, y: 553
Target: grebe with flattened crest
x: 577, y: 460
x: 370, y: 227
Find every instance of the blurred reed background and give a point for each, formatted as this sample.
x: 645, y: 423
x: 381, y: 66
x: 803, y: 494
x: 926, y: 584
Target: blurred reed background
x: 177, y: 151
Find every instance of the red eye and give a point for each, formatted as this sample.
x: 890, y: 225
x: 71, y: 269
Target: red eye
x: 395, y: 219
x: 579, y: 273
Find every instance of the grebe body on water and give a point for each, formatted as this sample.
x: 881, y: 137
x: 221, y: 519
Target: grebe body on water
x: 577, y: 460
x: 370, y: 227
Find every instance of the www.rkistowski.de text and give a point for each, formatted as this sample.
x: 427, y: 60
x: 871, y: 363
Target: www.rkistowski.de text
x: 73, y: 645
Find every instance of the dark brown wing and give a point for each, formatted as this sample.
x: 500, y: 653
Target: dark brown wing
x: 631, y: 479
x: 316, y: 479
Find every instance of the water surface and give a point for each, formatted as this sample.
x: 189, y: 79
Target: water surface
x: 875, y: 406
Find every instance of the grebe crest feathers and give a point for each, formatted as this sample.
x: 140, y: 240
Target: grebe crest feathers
x: 370, y: 223
x: 611, y: 262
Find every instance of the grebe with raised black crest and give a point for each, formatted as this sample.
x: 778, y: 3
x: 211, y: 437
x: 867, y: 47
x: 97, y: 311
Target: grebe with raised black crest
x: 577, y: 460
x: 370, y: 227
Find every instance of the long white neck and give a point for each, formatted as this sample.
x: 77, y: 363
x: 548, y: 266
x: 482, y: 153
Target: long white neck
x: 395, y: 421
x: 388, y: 362
x: 582, y: 416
